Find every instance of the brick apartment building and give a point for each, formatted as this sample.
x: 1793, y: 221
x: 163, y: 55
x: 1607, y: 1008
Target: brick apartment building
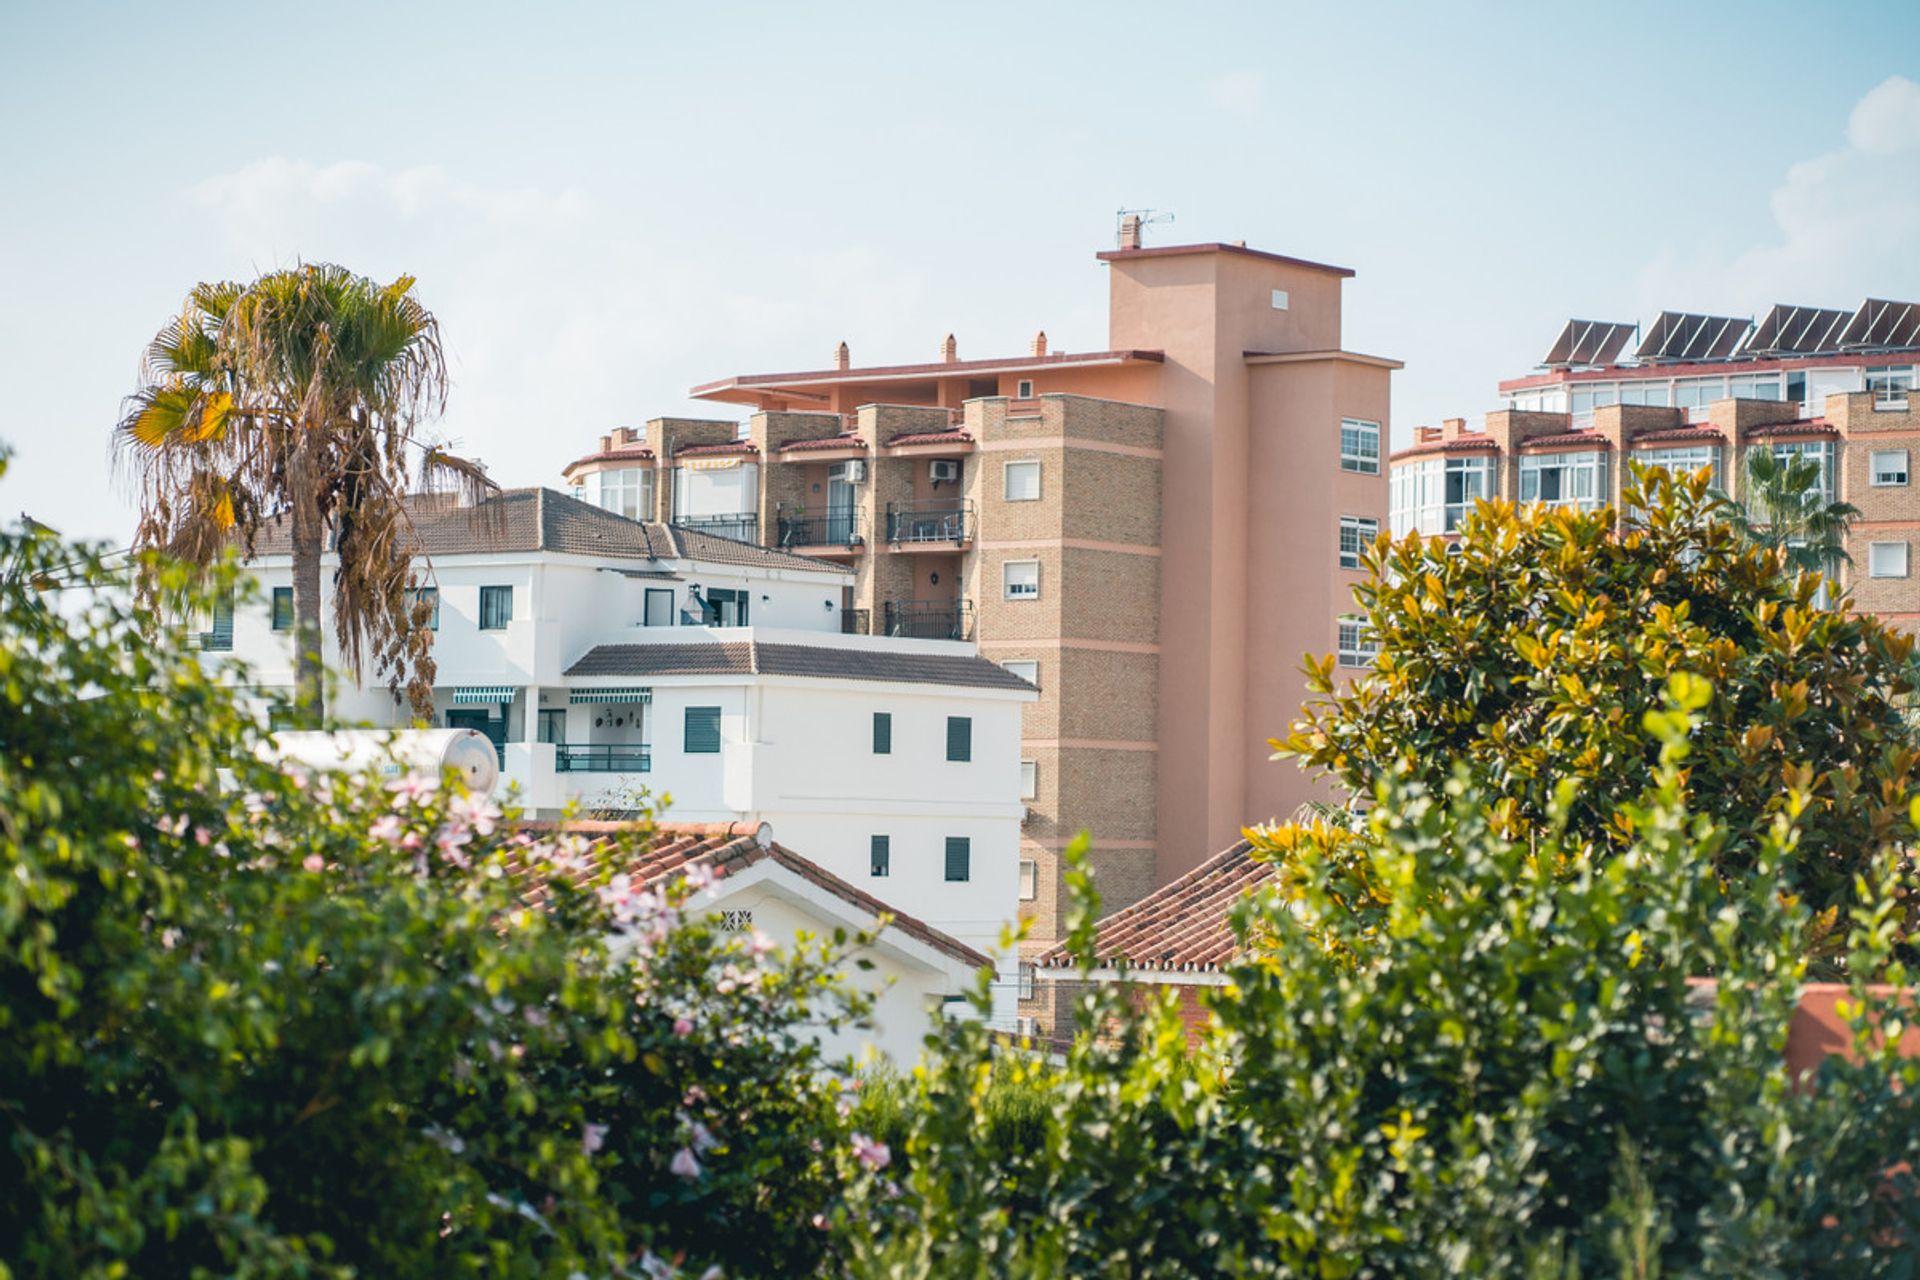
x: 1828, y: 383
x: 1153, y: 533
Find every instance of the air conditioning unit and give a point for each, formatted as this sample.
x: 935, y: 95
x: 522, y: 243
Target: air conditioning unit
x: 853, y: 472
x: 943, y: 471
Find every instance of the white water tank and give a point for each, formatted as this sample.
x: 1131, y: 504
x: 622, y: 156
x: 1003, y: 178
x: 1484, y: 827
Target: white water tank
x: 391, y: 752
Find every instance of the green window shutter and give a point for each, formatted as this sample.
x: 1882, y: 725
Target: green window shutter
x: 283, y: 608
x: 960, y: 738
x: 959, y: 857
x: 883, y: 733
x: 882, y: 851
x: 703, y: 731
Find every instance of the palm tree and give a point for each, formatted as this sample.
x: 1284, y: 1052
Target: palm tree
x: 1786, y: 511
x: 300, y: 397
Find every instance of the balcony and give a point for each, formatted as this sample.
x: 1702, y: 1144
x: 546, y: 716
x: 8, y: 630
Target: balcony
x: 856, y: 622
x: 930, y: 619
x: 601, y: 757
x: 743, y: 527
x: 840, y: 529
x: 941, y: 525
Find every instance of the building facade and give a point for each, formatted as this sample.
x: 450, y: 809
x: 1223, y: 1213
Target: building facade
x: 1151, y: 533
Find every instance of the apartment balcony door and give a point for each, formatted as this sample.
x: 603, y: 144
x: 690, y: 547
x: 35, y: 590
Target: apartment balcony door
x: 841, y: 499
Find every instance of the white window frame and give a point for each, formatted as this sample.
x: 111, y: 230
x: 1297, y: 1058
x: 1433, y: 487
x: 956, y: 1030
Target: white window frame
x: 1029, y: 779
x: 1573, y: 463
x: 1007, y: 586
x: 1029, y: 879
x: 1359, y: 531
x: 1354, y: 643
x: 1887, y: 477
x: 1027, y: 669
x: 1359, y: 459
x: 1891, y: 385
x: 1682, y: 460
x: 1023, y: 389
x: 1006, y: 480
x: 1874, y: 569
x: 1029, y: 974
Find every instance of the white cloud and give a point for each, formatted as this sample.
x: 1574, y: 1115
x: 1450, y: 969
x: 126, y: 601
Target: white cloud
x: 1848, y: 224
x: 1241, y: 92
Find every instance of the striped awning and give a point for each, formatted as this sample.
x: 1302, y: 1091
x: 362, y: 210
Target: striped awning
x: 484, y: 693
x: 578, y: 697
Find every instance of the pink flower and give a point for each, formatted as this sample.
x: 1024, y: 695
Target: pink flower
x: 202, y: 837
x: 703, y: 1139
x: 683, y: 1027
x: 476, y: 811
x: 592, y: 1138
x: 414, y: 788
x: 452, y: 847
x: 872, y: 1154
x: 759, y: 944
x: 387, y: 829
x: 684, y: 1164
x: 314, y: 862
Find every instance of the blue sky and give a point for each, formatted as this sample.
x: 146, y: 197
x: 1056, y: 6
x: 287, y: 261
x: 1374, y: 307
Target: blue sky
x: 606, y: 204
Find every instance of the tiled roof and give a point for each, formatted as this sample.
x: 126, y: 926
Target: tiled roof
x: 1662, y: 434
x: 1181, y: 926
x: 519, y: 520
x: 634, y: 453
x: 1798, y: 427
x: 806, y: 661
x: 931, y: 437
x: 1591, y: 439
x: 727, y: 850
x: 825, y: 442
x: 1461, y: 444
x: 716, y: 450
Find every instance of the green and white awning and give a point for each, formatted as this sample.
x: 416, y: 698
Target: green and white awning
x: 484, y: 693
x: 579, y: 697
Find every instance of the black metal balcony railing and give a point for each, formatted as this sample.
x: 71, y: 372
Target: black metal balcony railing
x: 832, y: 527
x: 930, y: 619
x: 947, y: 521
x: 743, y: 527
x: 856, y: 622
x: 580, y: 757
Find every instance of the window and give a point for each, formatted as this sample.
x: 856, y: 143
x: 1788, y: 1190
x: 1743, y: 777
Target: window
x: 1280, y: 300
x: 1029, y: 779
x: 219, y: 635
x: 1356, y: 535
x: 1356, y: 643
x: 1020, y: 579
x: 727, y: 607
x: 1026, y: 981
x: 1433, y: 495
x: 429, y: 596
x: 722, y: 500
x: 736, y: 921
x: 628, y: 492
x: 879, y: 855
x: 553, y: 724
x: 960, y: 738
x: 1755, y: 386
x: 1023, y: 389
x: 283, y: 608
x: 658, y: 611
x: 883, y: 733
x: 703, y: 731
x: 1026, y: 668
x: 1695, y: 394
x: 1029, y: 880
x: 1360, y: 446
x: 1023, y: 481
x: 1889, y: 467
x: 1590, y: 396
x: 1890, y: 385
x: 959, y: 858
x: 1576, y: 478
x: 1887, y: 560
x: 1820, y: 451
x: 496, y: 608
x: 1655, y: 393
x: 1682, y: 461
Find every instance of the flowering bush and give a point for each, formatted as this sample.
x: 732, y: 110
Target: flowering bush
x: 257, y: 1022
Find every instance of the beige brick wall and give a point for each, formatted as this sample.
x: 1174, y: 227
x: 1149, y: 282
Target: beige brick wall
x: 1084, y: 594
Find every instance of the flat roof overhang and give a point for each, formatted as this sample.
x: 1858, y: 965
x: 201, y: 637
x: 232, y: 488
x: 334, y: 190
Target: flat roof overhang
x: 812, y: 384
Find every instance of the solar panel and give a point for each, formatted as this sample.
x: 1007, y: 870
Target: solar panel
x: 1880, y: 325
x: 1787, y: 330
x: 1588, y: 342
x: 1681, y: 335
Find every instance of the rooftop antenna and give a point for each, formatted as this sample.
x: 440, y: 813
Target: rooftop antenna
x: 1133, y: 224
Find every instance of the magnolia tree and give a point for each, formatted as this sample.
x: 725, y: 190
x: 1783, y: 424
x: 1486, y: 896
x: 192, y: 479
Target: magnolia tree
x: 256, y: 1022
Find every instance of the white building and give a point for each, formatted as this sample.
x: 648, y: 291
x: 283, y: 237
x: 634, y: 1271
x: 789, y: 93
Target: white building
x: 611, y: 659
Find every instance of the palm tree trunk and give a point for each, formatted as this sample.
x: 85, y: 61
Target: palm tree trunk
x: 308, y: 537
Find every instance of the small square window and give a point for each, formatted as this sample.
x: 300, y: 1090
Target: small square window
x: 883, y: 733
x: 1887, y: 560
x: 283, y: 608
x: 1280, y: 300
x: 429, y: 596
x: 1020, y: 579
x: 1026, y: 668
x: 496, y: 608
x: 880, y: 855
x: 1889, y: 467
x: 959, y: 858
x: 1029, y: 779
x: 1356, y: 535
x: 960, y: 739
x: 703, y: 731
x: 1360, y: 446
x: 1023, y: 481
x: 1029, y: 880
x: 1023, y: 389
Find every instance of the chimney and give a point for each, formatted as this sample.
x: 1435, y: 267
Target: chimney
x: 842, y: 357
x: 606, y: 444
x: 1039, y: 347
x: 1130, y: 231
x: 1452, y: 428
x: 1426, y: 435
x: 949, y: 349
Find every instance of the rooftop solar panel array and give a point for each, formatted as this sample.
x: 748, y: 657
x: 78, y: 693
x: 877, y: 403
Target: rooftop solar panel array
x: 1681, y: 335
x: 1880, y: 325
x: 1787, y: 330
x: 1588, y: 342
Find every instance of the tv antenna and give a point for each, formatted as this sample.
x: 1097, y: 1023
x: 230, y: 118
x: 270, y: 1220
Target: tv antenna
x: 1133, y: 223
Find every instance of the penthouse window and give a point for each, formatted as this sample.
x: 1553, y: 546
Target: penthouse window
x: 1360, y: 446
x: 1592, y: 396
x: 1695, y: 394
x: 1576, y: 478
x: 1654, y: 393
x: 1890, y: 385
x: 627, y: 491
x: 1755, y: 386
x: 1433, y: 495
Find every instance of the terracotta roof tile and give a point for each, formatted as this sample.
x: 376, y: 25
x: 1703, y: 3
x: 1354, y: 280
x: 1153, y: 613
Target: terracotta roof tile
x: 634, y: 453
x: 807, y: 661
x: 1565, y: 439
x: 1701, y: 434
x: 1462, y: 444
x: 716, y: 450
x: 930, y: 437
x: 824, y: 442
x: 1798, y: 427
x: 1180, y: 926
